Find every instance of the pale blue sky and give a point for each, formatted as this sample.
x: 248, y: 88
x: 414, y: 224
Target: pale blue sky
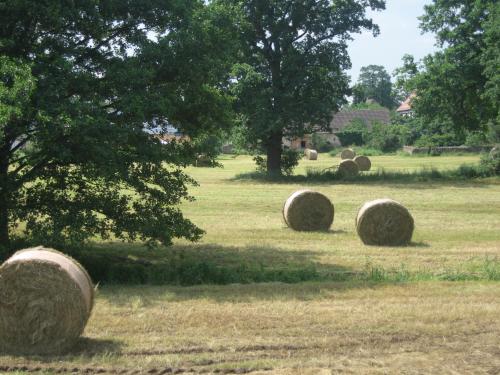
x: 399, y: 34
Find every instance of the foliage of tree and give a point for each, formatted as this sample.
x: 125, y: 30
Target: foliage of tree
x: 79, y: 83
x: 451, y: 85
x: 353, y: 133
x: 320, y: 144
x: 291, y: 76
x: 413, y: 130
x: 490, y: 59
x: 402, y: 87
x: 384, y: 137
x: 374, y: 83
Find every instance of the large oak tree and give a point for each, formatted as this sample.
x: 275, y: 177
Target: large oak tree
x: 80, y: 81
x: 293, y: 61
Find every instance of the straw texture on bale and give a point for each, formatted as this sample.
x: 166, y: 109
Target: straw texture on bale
x: 363, y: 163
x: 348, y: 153
x: 348, y: 168
x: 307, y: 210
x: 384, y: 222
x: 45, y: 301
x: 311, y: 154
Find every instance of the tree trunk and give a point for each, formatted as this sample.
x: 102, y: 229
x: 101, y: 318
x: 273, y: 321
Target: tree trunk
x: 4, y: 211
x: 274, y: 153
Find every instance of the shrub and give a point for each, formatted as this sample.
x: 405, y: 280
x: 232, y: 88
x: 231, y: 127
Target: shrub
x: 209, y: 145
x: 320, y: 144
x: 354, y: 133
x: 476, y: 138
x: 238, y: 137
x: 490, y: 163
x: 385, y: 137
x: 349, y: 137
x: 367, y: 151
x: 289, y: 160
x: 335, y: 152
x: 438, y: 140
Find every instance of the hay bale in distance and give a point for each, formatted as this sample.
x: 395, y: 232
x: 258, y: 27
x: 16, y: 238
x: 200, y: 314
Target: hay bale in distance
x: 307, y: 210
x: 348, y: 153
x: 203, y: 160
x: 311, y: 154
x: 384, y: 222
x: 363, y: 162
x: 45, y: 301
x: 348, y: 168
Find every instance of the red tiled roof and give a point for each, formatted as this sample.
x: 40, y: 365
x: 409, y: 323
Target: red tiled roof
x: 406, y: 105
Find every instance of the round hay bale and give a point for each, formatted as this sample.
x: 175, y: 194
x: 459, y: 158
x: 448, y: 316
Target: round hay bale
x: 348, y: 153
x: 307, y: 210
x: 384, y: 222
x: 363, y: 162
x: 203, y: 160
x: 45, y: 301
x: 311, y: 154
x: 348, y: 168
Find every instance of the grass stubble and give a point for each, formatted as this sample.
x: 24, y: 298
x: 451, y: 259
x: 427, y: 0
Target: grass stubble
x: 419, y: 309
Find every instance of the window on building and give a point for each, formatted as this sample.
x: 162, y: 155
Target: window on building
x: 303, y: 144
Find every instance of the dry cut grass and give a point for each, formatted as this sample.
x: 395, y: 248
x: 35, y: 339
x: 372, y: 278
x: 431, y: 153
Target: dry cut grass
x: 356, y: 326
x: 420, y: 328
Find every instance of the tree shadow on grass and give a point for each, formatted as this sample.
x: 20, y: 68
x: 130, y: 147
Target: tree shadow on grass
x: 202, y: 264
x: 419, y: 244
x: 224, y: 273
x: 234, y: 293
x: 420, y: 179
x: 89, y: 347
x: 85, y: 347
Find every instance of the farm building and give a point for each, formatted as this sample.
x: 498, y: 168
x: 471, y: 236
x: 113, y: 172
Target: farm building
x: 339, y: 121
x: 405, y: 108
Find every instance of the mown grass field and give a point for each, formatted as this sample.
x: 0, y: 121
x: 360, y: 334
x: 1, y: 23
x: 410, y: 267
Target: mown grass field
x: 432, y: 307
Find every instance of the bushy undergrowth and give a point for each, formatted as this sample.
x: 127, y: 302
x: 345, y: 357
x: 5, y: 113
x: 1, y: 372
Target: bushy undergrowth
x: 289, y: 160
x: 360, y: 150
x: 464, y: 172
x: 190, y: 267
x: 368, y: 151
x: 107, y: 268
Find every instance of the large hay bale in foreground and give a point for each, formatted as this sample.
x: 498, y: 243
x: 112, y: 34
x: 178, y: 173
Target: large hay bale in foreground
x: 311, y: 154
x: 348, y: 168
x: 348, y: 153
x: 45, y: 301
x: 363, y: 163
x: 384, y: 222
x: 307, y: 210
